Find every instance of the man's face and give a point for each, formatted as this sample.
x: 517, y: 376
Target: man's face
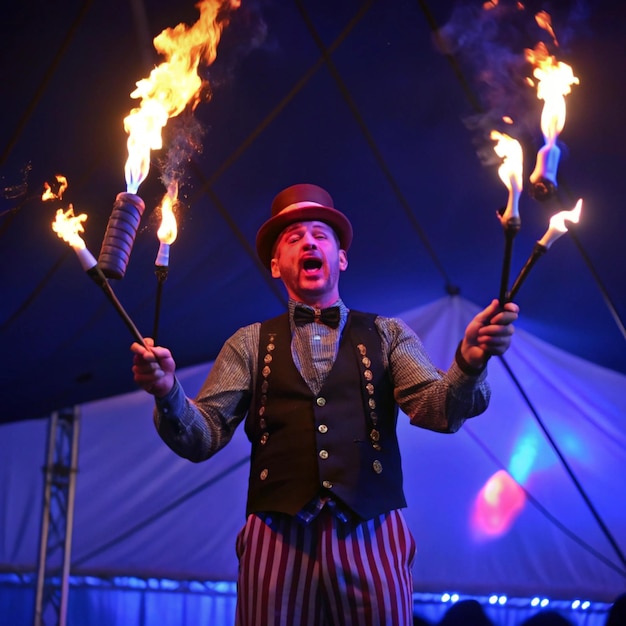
x: 308, y: 260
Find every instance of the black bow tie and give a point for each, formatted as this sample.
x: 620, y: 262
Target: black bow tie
x: 330, y: 316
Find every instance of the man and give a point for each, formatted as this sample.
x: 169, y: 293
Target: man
x: 325, y: 541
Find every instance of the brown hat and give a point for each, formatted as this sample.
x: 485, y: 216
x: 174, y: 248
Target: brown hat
x: 301, y: 203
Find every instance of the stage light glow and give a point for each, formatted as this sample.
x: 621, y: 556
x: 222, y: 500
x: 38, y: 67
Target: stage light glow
x: 496, y: 506
x: 523, y: 458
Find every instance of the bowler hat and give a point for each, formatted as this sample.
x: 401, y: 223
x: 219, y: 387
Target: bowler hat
x: 301, y: 203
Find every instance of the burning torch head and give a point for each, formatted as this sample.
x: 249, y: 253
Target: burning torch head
x: 543, y: 180
x: 120, y: 235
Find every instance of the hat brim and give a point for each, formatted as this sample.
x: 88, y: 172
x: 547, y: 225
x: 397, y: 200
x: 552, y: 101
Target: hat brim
x: 268, y: 233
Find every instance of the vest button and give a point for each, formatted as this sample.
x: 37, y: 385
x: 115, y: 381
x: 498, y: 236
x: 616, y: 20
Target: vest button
x: 378, y: 467
x: 323, y: 454
x: 263, y: 474
x: 322, y: 428
x: 327, y: 484
x: 321, y: 401
x: 264, y: 437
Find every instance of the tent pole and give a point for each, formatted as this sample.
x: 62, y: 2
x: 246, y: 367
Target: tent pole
x: 57, y: 519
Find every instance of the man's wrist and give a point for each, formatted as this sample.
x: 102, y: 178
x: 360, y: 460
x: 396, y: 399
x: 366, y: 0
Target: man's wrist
x: 465, y: 367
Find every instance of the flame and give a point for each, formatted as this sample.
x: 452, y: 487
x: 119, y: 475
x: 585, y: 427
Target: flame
x: 555, y: 80
x: 544, y: 21
x: 557, y: 224
x: 168, y: 230
x: 49, y: 194
x: 68, y: 226
x: 172, y: 85
x: 511, y: 169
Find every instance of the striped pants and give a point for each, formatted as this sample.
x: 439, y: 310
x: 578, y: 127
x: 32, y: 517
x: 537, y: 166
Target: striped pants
x: 326, y: 573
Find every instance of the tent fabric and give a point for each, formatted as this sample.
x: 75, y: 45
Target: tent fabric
x: 524, y: 500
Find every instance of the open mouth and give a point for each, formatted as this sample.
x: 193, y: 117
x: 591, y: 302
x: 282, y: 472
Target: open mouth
x: 311, y: 265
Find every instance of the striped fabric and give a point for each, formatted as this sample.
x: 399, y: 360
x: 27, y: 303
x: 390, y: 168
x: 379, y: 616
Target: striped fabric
x: 326, y: 573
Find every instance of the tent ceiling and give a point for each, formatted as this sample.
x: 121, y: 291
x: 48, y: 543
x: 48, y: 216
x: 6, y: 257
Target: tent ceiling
x: 352, y: 95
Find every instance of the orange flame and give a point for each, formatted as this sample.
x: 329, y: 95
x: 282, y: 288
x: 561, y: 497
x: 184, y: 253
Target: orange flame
x: 557, y: 224
x: 544, y: 21
x: 173, y: 85
x: 49, y: 194
x: 168, y: 230
x: 69, y: 226
x: 555, y: 80
x: 510, y: 171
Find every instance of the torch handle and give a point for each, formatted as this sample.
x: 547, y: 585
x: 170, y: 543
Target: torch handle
x: 160, y: 272
x: 99, y: 278
x: 511, y: 228
x: 538, y: 251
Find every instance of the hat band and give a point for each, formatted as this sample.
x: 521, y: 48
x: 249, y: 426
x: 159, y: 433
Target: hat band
x: 299, y: 205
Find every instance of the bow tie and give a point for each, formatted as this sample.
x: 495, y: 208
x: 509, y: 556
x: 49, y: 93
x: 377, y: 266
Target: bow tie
x: 330, y: 316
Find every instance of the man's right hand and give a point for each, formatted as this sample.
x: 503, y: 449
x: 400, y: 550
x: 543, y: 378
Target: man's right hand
x: 153, y: 368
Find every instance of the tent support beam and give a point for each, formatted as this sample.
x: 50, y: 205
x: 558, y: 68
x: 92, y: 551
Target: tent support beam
x: 57, y: 519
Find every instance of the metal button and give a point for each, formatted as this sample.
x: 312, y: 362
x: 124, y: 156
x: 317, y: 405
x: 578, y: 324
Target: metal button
x: 263, y: 474
x: 264, y: 438
x: 321, y: 401
x: 323, y: 454
x: 378, y: 466
x: 327, y: 484
x: 262, y: 423
x: 322, y: 428
x: 267, y: 358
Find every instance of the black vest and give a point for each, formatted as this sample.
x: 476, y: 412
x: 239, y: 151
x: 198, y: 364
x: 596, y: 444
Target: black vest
x: 341, y: 442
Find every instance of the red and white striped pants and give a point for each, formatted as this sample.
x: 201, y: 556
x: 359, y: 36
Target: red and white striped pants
x: 326, y: 573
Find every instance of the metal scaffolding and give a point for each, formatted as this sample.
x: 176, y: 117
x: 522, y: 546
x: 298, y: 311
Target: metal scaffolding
x: 57, y: 519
